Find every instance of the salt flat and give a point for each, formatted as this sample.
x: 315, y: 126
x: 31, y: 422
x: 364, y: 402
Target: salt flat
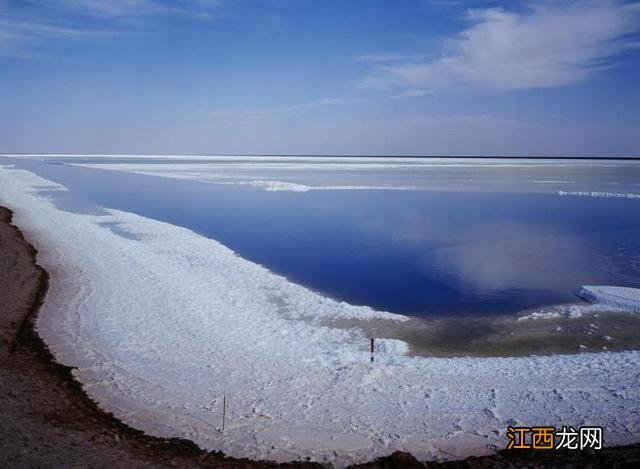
x: 163, y: 322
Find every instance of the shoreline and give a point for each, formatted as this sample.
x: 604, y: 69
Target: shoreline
x: 89, y: 418
x: 146, y: 450
x: 548, y: 329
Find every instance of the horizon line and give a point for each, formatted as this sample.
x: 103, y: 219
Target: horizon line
x: 321, y: 155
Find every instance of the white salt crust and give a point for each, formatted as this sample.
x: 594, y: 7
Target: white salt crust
x: 159, y: 327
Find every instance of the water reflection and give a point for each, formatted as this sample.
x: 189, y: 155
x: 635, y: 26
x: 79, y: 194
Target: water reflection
x: 441, y: 253
x: 513, y: 255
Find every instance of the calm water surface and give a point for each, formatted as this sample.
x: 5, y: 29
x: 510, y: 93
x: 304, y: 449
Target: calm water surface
x: 468, y: 248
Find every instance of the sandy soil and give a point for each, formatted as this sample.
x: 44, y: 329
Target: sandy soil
x: 48, y: 421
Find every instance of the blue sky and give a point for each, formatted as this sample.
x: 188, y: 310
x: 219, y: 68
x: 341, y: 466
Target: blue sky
x: 415, y: 77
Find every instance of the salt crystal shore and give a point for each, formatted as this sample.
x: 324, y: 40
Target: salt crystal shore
x: 162, y: 323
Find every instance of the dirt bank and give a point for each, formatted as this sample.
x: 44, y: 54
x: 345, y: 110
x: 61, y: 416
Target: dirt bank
x: 46, y: 418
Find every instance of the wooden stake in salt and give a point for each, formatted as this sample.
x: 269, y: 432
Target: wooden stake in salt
x: 372, y: 339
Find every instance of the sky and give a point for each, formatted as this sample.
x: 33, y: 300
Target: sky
x: 378, y: 77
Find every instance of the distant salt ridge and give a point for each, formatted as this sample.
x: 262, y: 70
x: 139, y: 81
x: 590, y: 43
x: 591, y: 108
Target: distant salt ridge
x: 272, y: 186
x: 603, y: 298
x: 195, y: 173
x: 618, y: 297
x: 277, y: 186
x: 601, y: 194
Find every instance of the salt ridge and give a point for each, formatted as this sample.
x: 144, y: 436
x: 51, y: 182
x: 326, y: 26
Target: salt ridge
x: 625, y: 298
x: 616, y: 195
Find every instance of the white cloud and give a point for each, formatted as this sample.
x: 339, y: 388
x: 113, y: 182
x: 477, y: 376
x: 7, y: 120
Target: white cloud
x: 283, y: 110
x: 110, y: 8
x: 548, y: 44
x: 411, y: 93
x: 137, y: 8
x: 18, y: 34
x: 387, y: 57
x: 21, y: 29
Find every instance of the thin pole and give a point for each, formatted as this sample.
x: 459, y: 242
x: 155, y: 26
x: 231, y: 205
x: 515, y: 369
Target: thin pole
x: 224, y: 410
x: 372, y: 339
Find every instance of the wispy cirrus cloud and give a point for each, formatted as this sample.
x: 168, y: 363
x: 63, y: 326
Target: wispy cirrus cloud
x: 18, y: 36
x: 25, y: 25
x: 282, y: 110
x: 202, y: 9
x: 543, y: 45
x: 116, y: 8
x: 389, y: 57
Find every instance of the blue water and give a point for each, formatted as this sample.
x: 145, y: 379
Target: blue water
x: 415, y: 252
